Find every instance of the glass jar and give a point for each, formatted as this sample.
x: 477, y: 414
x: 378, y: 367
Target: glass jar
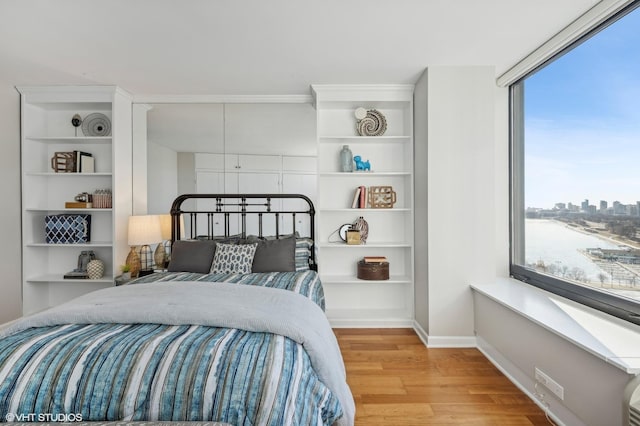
x: 346, y: 159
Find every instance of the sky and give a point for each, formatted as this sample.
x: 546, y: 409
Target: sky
x: 582, y: 122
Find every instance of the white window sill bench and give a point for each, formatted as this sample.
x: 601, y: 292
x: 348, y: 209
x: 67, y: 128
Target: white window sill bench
x: 613, y: 340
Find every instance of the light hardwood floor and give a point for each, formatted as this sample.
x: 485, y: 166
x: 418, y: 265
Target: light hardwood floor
x: 396, y: 380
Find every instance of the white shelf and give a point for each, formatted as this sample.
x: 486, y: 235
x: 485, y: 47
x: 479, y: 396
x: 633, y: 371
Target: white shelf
x: 65, y: 210
x: 350, y: 279
x: 71, y: 139
x: 59, y: 278
x: 351, y: 301
x: 364, y: 139
x: 67, y: 175
x: 46, y: 128
x: 359, y: 175
x: 342, y: 245
x: 89, y: 245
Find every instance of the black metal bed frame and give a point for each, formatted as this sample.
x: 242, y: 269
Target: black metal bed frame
x: 240, y: 204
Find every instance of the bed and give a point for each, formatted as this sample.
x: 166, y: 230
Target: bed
x: 240, y: 341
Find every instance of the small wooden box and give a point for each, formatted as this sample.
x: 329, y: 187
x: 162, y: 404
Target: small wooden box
x: 373, y: 271
x: 353, y: 237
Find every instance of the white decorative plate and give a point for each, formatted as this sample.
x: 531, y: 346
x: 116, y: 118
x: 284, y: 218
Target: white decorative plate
x: 96, y: 124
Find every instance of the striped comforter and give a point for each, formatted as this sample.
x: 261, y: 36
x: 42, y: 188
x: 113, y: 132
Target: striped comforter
x: 152, y: 371
x: 305, y: 283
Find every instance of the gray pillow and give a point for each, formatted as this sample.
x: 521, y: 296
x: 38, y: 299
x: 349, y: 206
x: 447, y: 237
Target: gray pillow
x: 274, y: 255
x: 192, y: 256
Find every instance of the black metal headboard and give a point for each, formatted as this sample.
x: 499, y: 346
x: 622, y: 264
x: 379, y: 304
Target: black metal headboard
x: 212, y: 216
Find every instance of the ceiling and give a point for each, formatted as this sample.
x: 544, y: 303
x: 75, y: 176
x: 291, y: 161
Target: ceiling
x: 264, y: 47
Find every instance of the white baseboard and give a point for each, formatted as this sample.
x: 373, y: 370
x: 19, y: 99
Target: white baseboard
x: 451, y: 342
x: 443, y: 341
x: 421, y: 333
x: 370, y: 323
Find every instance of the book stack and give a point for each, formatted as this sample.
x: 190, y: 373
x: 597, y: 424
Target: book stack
x: 360, y: 198
x: 374, y: 259
x: 83, y: 162
x: 78, y: 205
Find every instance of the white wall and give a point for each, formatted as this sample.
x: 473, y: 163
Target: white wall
x: 461, y: 196
x: 420, y: 175
x: 162, y: 178
x: 270, y: 129
x: 139, y: 150
x: 10, y: 260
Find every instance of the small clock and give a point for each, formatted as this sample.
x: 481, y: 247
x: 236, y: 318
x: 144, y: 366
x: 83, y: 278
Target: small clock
x: 342, y: 231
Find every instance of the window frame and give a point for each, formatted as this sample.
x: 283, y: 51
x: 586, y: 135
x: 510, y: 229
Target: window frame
x: 598, y: 299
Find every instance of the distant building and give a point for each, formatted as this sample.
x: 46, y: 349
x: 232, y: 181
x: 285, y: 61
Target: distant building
x: 585, y: 205
x: 629, y: 256
x: 562, y: 206
x: 618, y: 208
x: 603, y: 206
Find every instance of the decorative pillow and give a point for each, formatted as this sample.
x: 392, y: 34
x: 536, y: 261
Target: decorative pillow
x: 191, y: 256
x: 303, y: 253
x: 233, y: 258
x: 274, y: 255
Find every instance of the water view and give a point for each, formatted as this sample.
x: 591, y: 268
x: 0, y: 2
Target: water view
x: 558, y: 249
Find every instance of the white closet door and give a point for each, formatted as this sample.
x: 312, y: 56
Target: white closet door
x: 259, y: 163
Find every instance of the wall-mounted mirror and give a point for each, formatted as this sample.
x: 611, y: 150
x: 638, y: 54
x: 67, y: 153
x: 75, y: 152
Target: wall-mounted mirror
x: 221, y: 147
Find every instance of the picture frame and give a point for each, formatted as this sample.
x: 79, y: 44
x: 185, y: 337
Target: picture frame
x: 382, y: 197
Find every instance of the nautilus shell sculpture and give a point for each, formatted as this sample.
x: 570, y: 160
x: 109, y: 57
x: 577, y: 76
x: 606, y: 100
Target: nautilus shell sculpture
x: 370, y: 123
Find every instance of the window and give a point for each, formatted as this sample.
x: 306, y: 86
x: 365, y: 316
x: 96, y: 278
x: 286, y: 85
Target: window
x: 575, y: 171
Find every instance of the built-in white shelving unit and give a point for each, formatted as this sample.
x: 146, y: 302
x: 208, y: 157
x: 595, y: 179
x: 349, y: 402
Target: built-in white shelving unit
x: 351, y: 301
x: 46, y: 129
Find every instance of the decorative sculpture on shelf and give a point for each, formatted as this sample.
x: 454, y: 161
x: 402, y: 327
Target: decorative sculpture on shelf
x: 363, y: 226
x: 76, y: 121
x: 370, y: 122
x: 361, y: 165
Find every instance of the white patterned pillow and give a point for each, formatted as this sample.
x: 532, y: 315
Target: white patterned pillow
x: 233, y: 258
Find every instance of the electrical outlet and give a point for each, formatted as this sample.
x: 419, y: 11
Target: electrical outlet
x: 549, y: 383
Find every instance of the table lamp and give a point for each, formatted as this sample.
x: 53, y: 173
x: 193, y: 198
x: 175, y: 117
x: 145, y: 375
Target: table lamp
x: 143, y: 230
x: 161, y: 256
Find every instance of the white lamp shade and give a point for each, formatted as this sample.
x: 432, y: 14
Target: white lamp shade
x: 166, y: 232
x: 144, y: 229
x: 165, y: 226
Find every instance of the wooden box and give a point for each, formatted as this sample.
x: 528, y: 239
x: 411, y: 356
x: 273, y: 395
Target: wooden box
x: 373, y: 271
